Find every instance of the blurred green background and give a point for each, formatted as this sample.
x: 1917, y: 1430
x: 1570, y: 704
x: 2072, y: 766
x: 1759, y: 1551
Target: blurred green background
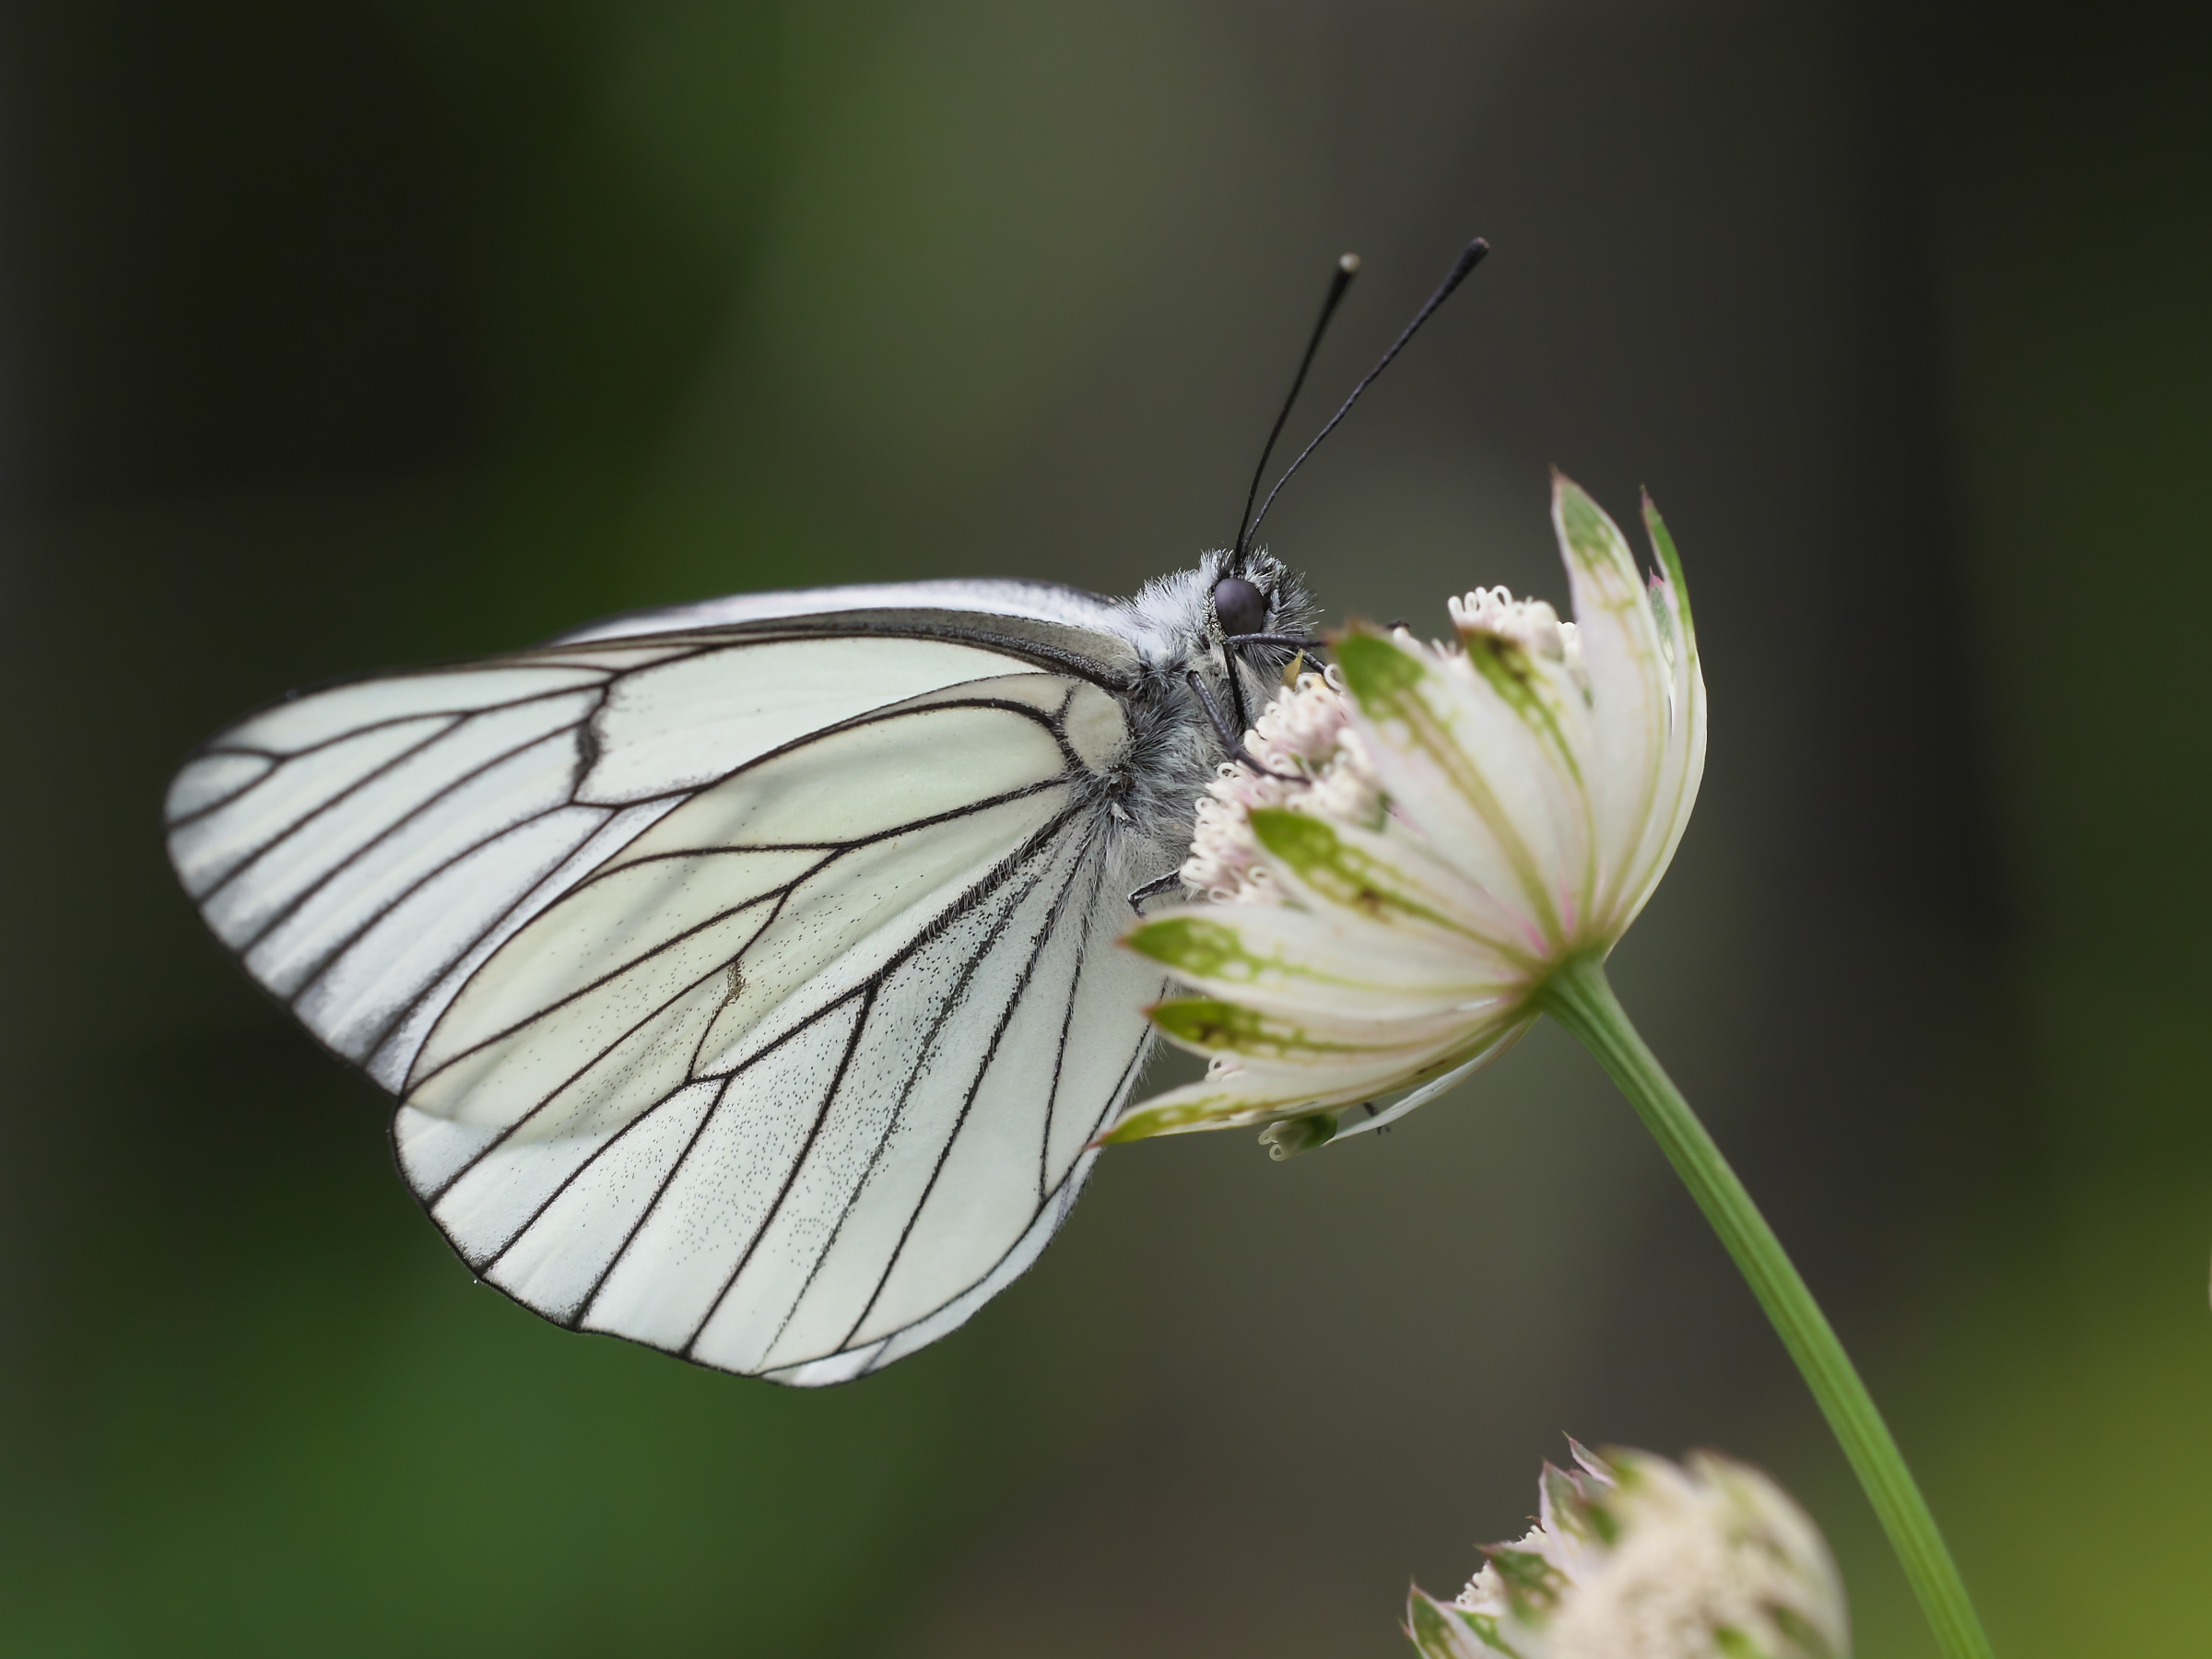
x: 340, y: 336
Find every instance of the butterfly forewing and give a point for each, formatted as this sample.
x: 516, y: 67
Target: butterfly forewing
x: 749, y: 992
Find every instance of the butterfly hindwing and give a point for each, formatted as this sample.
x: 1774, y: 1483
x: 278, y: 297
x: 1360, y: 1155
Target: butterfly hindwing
x: 748, y: 993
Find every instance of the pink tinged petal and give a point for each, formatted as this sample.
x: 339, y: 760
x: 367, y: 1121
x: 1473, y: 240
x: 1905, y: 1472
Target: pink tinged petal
x: 1631, y: 691
x: 1481, y: 761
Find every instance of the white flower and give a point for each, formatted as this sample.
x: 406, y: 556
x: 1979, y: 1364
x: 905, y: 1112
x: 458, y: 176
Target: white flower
x: 1636, y: 1558
x: 1453, y: 823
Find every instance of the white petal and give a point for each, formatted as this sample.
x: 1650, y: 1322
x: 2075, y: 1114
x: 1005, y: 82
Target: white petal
x: 1420, y: 1097
x: 1396, y: 887
x: 1492, y: 783
x: 1295, y: 963
x: 1260, y: 1093
x: 1630, y: 688
x: 1683, y: 767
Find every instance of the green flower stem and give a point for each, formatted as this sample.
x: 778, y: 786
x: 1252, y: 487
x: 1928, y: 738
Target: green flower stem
x: 1578, y: 998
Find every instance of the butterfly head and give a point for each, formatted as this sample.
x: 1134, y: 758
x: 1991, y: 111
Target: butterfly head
x: 1203, y: 620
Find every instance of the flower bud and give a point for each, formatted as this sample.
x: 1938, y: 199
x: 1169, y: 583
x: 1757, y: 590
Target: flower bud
x: 1293, y: 1135
x: 1636, y: 1558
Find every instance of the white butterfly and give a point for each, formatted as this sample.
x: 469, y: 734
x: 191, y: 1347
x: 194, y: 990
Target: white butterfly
x: 743, y: 971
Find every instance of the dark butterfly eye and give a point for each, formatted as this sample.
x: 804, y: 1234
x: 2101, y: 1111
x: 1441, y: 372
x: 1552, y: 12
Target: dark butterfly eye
x: 1239, y: 607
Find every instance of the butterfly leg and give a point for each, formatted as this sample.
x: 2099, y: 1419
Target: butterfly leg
x: 1231, y: 739
x: 1152, y: 890
x: 1287, y: 640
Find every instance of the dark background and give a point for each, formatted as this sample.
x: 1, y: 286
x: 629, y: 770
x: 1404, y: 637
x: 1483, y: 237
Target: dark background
x: 340, y: 336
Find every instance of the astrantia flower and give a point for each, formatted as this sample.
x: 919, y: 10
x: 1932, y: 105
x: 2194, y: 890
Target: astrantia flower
x: 1637, y: 1558
x: 1444, y: 826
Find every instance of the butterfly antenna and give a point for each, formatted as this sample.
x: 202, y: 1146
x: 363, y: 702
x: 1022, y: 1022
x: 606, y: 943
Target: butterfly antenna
x: 1469, y: 257
x: 1347, y: 268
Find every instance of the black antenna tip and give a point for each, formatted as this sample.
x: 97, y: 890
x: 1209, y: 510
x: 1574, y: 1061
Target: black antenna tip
x: 1469, y: 257
x: 1347, y: 268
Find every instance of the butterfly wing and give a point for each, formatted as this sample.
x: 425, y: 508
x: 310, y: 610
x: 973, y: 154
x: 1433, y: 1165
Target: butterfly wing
x: 1002, y: 599
x: 747, y: 992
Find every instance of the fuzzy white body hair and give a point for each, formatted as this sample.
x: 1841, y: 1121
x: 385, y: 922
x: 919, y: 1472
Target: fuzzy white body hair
x: 1175, y: 748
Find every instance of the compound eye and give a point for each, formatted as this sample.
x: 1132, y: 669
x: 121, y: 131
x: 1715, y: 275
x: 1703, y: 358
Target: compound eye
x: 1239, y: 607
